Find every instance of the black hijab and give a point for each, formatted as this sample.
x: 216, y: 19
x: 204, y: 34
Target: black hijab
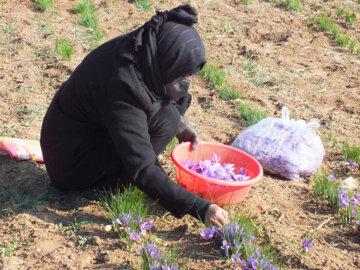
x: 169, y: 47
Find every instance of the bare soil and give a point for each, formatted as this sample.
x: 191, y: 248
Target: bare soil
x: 296, y: 66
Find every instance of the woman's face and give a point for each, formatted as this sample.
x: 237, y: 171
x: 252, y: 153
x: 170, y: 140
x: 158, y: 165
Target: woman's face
x: 178, y: 88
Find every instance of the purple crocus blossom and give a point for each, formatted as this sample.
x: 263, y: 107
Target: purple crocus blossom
x: 236, y: 260
x: 170, y: 267
x: 144, y: 227
x: 356, y: 199
x: 155, y: 266
x: 218, y: 231
x: 226, y: 246
x: 306, y: 245
x: 331, y: 178
x: 351, y: 165
x: 134, y: 236
x: 343, y: 198
x: 214, y: 169
x: 123, y: 221
x: 207, y: 234
x: 152, y: 251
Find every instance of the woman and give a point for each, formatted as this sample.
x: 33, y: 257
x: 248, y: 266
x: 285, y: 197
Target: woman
x: 119, y: 109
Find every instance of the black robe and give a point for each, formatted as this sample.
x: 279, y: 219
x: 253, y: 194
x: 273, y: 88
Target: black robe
x: 97, y: 125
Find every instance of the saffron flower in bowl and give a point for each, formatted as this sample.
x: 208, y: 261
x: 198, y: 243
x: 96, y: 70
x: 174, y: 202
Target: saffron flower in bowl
x: 224, y: 183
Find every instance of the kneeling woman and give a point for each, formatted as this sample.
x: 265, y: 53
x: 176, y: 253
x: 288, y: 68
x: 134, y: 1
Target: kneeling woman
x: 119, y: 109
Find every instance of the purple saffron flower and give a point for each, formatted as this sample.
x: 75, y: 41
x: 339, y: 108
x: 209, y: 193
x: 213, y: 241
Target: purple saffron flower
x: 207, y: 234
x: 215, y: 159
x: 357, y: 199
x: 226, y: 247
x: 218, y: 231
x: 236, y: 260
x: 252, y: 263
x: 214, y: 169
x: 155, y: 266
x: 137, y: 219
x: 351, y: 165
x: 147, y: 225
x: 357, y: 222
x: 331, y: 178
x: 170, y: 267
x: 123, y: 221
x: 343, y: 198
x: 306, y: 245
x: 134, y: 236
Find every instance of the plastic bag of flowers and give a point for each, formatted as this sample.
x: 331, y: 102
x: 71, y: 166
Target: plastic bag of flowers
x: 285, y: 147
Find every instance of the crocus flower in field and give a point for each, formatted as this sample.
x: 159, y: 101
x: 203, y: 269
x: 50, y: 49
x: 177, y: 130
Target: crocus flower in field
x: 218, y: 231
x: 134, y: 236
x: 123, y: 220
x: 343, y: 198
x: 236, y: 260
x: 351, y: 165
x: 170, y: 267
x: 356, y: 200
x: 306, y: 245
x: 226, y: 246
x: 155, y: 266
x: 144, y: 227
x: 331, y: 178
x: 207, y: 234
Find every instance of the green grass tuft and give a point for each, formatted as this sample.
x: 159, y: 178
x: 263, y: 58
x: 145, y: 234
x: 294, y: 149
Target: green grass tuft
x: 131, y: 199
x: 44, y: 4
x: 213, y: 74
x: 350, y: 152
x: 85, y: 6
x: 64, y: 49
x: 217, y: 78
x: 144, y: 5
x: 325, y: 189
x: 248, y: 116
x: 172, y: 144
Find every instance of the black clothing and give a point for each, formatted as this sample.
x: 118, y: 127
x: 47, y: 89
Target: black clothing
x: 111, y: 119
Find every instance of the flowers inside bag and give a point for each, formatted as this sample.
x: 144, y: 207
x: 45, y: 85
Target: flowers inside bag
x: 284, y: 147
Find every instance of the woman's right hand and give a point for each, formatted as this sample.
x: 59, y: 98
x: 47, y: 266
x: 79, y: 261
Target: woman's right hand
x: 216, y: 216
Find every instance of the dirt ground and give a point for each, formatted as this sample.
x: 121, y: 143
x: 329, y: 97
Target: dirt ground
x: 295, y: 66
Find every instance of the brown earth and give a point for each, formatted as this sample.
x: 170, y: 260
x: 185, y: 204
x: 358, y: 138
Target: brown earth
x: 302, y: 69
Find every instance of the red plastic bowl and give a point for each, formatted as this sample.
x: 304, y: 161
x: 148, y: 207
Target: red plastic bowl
x: 217, y: 191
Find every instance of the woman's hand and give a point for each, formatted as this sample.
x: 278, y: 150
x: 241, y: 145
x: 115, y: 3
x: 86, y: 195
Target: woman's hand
x: 216, y: 216
x: 187, y: 133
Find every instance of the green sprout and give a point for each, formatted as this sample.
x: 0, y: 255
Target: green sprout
x: 44, y: 4
x: 64, y: 49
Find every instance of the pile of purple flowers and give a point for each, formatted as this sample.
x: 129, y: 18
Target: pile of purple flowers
x: 133, y: 226
x: 214, y: 169
x: 155, y: 260
x: 233, y: 240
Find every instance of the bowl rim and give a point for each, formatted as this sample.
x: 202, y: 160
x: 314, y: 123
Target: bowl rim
x: 252, y: 181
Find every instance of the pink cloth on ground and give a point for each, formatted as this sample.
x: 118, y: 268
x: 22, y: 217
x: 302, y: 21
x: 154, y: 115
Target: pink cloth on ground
x: 21, y: 149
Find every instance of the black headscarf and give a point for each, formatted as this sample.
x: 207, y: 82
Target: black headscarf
x: 169, y: 47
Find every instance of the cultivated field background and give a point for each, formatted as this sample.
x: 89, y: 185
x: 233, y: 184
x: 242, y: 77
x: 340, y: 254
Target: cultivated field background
x: 271, y: 55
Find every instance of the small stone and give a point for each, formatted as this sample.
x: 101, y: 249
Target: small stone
x: 97, y: 240
x: 70, y: 245
x: 350, y: 183
x: 108, y: 228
